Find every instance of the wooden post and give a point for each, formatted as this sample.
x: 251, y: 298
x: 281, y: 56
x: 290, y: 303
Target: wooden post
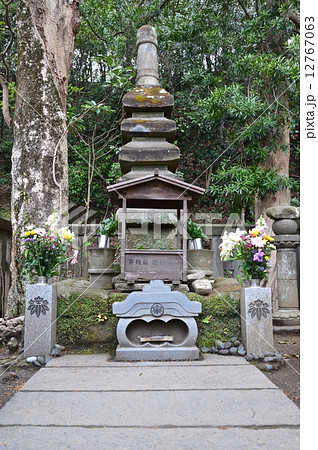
x: 123, y: 236
x: 178, y: 229
x: 184, y: 251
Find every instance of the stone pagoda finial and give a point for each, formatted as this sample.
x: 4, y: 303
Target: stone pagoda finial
x: 147, y: 62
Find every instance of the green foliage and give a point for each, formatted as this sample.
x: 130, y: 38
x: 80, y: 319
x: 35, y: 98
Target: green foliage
x: 233, y: 68
x: 239, y: 185
x: 220, y: 319
x: 194, y: 230
x: 76, y: 313
x: 109, y: 226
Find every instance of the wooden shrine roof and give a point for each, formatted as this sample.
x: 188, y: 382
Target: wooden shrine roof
x: 154, y: 191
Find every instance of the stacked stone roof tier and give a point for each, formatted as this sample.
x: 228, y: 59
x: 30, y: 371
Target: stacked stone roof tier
x: 148, y: 132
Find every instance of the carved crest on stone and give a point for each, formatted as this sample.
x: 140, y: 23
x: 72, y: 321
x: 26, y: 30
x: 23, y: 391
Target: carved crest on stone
x: 157, y: 310
x: 38, y: 306
x: 258, y: 308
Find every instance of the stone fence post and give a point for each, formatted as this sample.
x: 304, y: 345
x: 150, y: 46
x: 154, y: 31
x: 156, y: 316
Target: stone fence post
x: 287, y: 240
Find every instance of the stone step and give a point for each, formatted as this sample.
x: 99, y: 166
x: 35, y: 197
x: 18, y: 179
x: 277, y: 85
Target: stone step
x: 211, y: 408
x: 99, y: 438
x: 131, y: 378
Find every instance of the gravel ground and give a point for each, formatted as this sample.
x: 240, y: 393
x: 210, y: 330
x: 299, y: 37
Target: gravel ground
x: 287, y: 378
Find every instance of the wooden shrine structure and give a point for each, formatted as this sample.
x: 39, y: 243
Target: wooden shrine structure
x: 155, y: 191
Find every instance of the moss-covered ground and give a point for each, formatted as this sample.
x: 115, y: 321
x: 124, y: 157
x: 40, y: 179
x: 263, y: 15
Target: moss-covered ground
x: 78, y: 319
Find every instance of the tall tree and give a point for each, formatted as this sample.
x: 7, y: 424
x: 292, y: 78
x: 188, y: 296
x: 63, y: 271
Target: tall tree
x: 284, y: 21
x: 46, y: 33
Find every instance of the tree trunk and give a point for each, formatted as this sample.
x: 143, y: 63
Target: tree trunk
x: 278, y: 161
x: 46, y: 32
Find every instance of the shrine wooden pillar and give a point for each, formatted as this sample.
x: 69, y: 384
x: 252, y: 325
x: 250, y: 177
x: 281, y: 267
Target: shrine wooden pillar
x: 123, y: 234
x: 184, y: 238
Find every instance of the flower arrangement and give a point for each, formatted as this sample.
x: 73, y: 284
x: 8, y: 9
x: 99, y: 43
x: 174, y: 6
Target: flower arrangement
x: 46, y: 248
x: 252, y: 248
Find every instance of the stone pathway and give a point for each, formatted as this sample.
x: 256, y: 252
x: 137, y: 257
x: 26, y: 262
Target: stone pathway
x: 93, y: 402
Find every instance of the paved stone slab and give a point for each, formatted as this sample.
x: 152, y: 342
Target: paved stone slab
x: 214, y: 408
x: 105, y: 360
x: 130, y: 378
x: 15, y: 438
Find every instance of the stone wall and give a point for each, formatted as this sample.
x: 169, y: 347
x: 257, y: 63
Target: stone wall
x: 11, y: 332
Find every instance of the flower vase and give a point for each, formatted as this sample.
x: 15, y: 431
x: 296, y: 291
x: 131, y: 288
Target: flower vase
x: 42, y: 280
x: 256, y: 318
x: 40, y: 318
x: 195, y: 244
x: 100, y: 269
x: 104, y: 241
x: 254, y: 282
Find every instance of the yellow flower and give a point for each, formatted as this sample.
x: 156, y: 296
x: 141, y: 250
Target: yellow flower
x: 30, y: 233
x: 266, y: 257
x: 268, y: 238
x: 67, y: 235
x: 253, y: 232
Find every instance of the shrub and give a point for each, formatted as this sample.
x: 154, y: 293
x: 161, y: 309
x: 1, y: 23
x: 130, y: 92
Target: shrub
x: 75, y: 314
x: 220, y: 319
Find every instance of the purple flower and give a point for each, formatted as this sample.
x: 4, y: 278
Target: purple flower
x: 262, y: 268
x: 258, y: 256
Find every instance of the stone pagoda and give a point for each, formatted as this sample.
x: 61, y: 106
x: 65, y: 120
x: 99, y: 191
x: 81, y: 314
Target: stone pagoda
x: 148, y: 159
x: 147, y: 130
x: 157, y: 323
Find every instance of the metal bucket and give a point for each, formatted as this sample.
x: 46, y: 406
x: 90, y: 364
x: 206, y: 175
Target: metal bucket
x: 195, y: 244
x: 104, y: 241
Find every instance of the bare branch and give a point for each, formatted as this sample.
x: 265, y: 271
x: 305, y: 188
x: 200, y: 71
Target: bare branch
x: 92, y: 29
x: 12, y: 36
x: 294, y: 17
x: 5, y: 102
x: 244, y: 8
x: 5, y: 81
x: 256, y: 7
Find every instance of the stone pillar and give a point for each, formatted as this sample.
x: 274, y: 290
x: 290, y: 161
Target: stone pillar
x: 40, y: 319
x: 256, y: 320
x: 287, y: 240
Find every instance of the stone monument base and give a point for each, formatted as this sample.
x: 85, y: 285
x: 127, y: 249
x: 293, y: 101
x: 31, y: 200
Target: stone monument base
x: 288, y: 319
x: 157, y: 354
x: 101, y: 278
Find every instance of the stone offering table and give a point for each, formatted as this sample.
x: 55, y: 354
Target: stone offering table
x: 156, y: 324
